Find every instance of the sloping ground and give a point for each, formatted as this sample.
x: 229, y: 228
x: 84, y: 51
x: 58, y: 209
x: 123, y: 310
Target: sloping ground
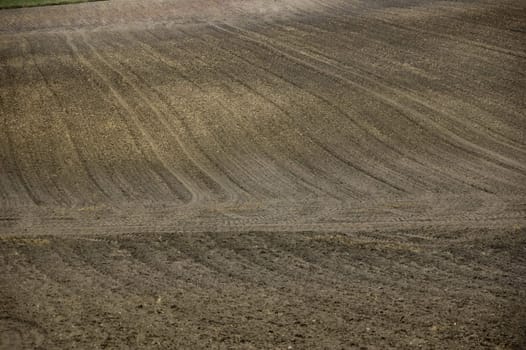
x: 245, y: 174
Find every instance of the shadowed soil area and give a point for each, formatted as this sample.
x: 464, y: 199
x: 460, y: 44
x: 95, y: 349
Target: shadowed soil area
x: 316, y: 174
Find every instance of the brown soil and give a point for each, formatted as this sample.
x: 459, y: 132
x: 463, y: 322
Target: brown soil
x: 317, y: 174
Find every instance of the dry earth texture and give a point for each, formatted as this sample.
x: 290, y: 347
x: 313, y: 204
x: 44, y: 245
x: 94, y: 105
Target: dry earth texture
x: 315, y: 174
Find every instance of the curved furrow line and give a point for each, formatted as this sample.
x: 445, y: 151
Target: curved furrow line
x: 265, y: 267
x: 355, y: 122
x: 392, y: 40
x: 5, y: 179
x: 68, y: 134
x: 514, y: 53
x: 241, y: 262
x: 136, y: 182
x: 91, y: 254
x: 132, y: 282
x: 29, y: 271
x: 17, y: 146
x: 249, y: 134
x: 15, y: 168
x: 59, y: 194
x: 419, y: 126
x: 360, y: 124
x: 94, y: 132
x: 295, y: 175
x: 238, y: 157
x: 241, y: 192
x: 115, y: 180
x: 462, y: 18
x: 478, y: 29
x: 182, y: 121
x: 272, y: 183
x: 171, y: 63
x: 298, y: 156
x: 362, y: 26
x: 171, y: 263
x: 183, y: 191
x: 439, y: 267
x: 161, y: 276
x: 478, y: 138
x: 64, y: 267
x: 358, y: 65
x: 415, y: 54
x: 267, y: 262
x: 338, y: 6
x: 331, y: 62
x: 203, y: 252
x: 8, y: 178
x: 162, y: 112
x: 457, y: 141
x: 320, y: 145
x: 380, y: 12
x: 309, y: 249
x: 43, y: 185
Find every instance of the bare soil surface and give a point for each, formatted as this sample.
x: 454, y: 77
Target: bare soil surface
x: 286, y: 174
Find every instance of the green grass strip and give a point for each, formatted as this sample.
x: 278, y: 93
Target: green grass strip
x: 9, y: 4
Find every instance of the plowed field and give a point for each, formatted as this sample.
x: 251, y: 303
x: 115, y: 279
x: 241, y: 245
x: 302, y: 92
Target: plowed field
x: 318, y: 174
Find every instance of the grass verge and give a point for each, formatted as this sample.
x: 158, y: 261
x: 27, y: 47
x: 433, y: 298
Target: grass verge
x: 8, y: 4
